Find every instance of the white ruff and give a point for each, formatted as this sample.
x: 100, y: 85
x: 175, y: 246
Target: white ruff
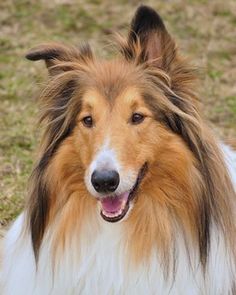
x: 230, y: 159
x: 96, y: 263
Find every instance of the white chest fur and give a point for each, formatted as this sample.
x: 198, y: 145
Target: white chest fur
x: 101, y: 268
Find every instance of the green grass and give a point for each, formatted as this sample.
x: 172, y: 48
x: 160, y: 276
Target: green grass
x: 205, y: 31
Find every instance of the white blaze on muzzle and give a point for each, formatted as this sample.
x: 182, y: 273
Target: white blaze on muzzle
x: 114, y: 201
x: 106, y: 159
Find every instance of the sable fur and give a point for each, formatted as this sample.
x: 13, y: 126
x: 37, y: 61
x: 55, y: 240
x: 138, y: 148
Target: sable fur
x: 176, y: 109
x: 187, y: 186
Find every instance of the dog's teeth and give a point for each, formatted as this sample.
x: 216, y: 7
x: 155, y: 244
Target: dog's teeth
x: 115, y: 214
x: 123, y: 205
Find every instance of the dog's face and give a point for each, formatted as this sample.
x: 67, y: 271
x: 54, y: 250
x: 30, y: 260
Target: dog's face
x: 113, y: 136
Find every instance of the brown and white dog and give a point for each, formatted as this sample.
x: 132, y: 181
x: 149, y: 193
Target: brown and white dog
x: 131, y: 194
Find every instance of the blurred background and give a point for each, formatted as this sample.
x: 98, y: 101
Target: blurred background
x: 205, y: 31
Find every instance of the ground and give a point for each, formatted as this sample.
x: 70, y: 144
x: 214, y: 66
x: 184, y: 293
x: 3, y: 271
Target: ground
x: 204, y: 30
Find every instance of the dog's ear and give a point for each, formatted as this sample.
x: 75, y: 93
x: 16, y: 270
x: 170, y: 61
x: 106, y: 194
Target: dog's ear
x: 56, y: 54
x: 148, y: 29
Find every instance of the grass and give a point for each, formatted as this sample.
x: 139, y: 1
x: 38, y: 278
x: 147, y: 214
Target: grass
x: 205, y: 31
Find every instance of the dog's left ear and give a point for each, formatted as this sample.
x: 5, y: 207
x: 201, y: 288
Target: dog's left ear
x: 59, y: 57
x: 148, y: 29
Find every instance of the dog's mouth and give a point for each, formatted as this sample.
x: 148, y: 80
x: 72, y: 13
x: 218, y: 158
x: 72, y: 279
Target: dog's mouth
x: 114, y: 208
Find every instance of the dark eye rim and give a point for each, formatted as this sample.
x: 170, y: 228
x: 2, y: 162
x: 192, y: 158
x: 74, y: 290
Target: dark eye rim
x: 87, y: 121
x: 139, y: 118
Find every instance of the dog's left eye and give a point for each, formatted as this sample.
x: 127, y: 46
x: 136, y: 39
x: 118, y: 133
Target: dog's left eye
x: 137, y: 118
x: 88, y: 121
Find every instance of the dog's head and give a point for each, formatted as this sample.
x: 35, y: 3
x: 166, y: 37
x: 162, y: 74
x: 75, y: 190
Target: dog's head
x: 124, y: 133
x: 115, y: 110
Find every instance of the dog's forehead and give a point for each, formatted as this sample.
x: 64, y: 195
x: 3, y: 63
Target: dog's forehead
x: 129, y: 97
x: 113, y: 77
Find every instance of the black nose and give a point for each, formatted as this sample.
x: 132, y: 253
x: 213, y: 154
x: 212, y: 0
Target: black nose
x: 105, y: 181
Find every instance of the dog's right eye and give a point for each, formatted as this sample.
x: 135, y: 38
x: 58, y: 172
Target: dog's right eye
x: 137, y: 118
x: 88, y: 121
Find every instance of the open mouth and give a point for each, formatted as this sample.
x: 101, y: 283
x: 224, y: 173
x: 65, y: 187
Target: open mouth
x: 114, y: 208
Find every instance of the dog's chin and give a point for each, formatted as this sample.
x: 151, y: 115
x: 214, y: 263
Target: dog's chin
x: 115, y: 208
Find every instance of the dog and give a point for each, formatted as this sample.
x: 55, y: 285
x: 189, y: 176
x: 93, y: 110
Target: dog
x: 132, y: 193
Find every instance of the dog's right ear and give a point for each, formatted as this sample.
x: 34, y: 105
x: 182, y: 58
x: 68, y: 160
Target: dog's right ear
x: 55, y: 54
x: 149, y: 39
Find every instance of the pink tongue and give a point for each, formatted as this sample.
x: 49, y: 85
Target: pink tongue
x: 113, y: 204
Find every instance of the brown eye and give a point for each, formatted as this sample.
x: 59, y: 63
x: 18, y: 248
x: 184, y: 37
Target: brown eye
x: 88, y: 121
x: 137, y: 118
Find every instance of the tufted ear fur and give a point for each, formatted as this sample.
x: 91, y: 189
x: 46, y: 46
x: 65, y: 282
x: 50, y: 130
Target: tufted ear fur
x: 55, y: 53
x: 148, y: 29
